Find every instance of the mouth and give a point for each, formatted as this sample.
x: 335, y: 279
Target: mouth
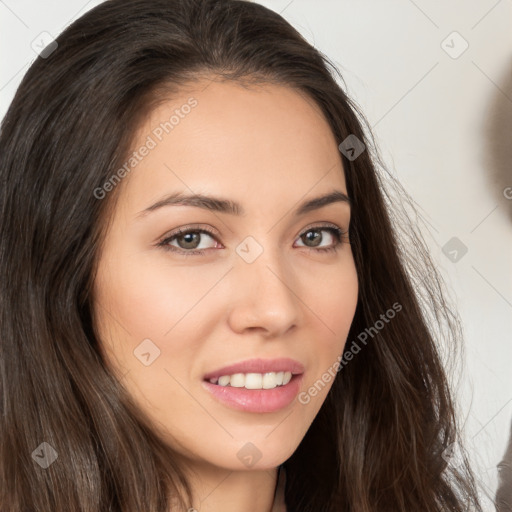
x: 268, y: 380
x: 252, y: 396
x: 256, y: 373
x: 256, y: 385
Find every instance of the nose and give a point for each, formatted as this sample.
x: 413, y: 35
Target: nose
x: 264, y: 296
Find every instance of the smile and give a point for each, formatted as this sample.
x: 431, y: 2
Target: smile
x: 268, y: 380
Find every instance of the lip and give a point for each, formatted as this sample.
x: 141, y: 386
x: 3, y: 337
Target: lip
x: 283, y: 364
x: 256, y: 400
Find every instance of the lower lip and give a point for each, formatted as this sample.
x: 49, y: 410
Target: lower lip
x: 256, y: 400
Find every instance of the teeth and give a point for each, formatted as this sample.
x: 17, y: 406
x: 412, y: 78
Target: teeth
x: 254, y: 380
x: 224, y: 380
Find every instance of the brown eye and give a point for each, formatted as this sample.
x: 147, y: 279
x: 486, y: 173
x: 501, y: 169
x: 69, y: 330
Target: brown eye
x: 313, y: 237
x: 191, y: 241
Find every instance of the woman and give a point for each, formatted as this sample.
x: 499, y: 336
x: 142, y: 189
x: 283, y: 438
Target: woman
x: 203, y: 289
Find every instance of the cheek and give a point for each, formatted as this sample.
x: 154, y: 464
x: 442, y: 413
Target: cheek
x: 139, y: 299
x: 332, y: 307
x: 331, y: 295
x: 150, y: 317
x: 340, y: 300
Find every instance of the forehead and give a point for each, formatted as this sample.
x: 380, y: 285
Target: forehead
x: 224, y: 137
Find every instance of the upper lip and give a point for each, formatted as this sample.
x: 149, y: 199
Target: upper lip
x: 283, y: 364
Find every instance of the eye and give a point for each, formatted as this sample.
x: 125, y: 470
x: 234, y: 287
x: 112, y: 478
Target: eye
x: 312, y: 238
x: 188, y: 241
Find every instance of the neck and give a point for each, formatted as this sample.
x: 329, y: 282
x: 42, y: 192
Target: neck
x: 220, y: 490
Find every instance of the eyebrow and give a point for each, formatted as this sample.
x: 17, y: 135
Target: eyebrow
x: 221, y: 205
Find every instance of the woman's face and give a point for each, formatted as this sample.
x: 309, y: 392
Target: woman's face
x: 266, y: 285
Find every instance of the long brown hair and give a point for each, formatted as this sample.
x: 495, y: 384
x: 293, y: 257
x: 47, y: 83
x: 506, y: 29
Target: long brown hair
x: 70, y: 437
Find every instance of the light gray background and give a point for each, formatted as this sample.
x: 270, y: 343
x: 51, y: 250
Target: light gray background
x: 443, y: 123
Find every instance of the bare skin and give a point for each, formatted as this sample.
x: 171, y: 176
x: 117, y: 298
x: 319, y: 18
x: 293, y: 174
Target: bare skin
x: 269, y: 149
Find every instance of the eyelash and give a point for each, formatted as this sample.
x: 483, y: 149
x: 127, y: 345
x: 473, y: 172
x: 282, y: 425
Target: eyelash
x: 164, y: 244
